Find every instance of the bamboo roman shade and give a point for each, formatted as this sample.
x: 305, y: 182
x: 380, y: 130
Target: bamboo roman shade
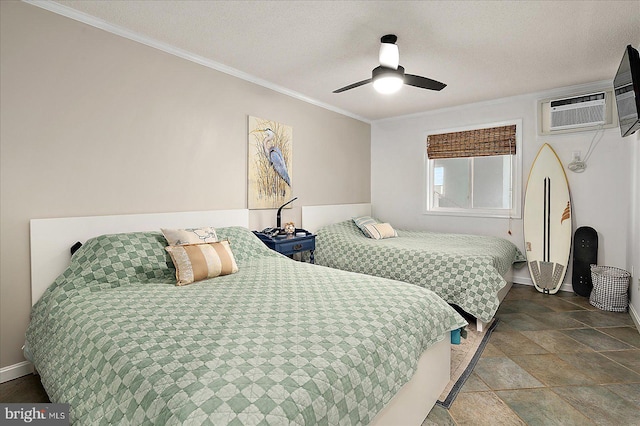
x: 473, y: 143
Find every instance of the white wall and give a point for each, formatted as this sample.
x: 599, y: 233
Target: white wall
x: 600, y: 195
x: 633, y: 237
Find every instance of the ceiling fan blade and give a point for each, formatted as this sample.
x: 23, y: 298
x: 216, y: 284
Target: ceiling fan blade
x: 423, y: 82
x: 353, y: 86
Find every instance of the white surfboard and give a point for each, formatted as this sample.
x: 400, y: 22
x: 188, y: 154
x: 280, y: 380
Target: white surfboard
x: 547, y: 221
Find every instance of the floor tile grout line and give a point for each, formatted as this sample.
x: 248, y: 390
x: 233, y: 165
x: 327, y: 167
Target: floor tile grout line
x: 512, y: 410
x: 501, y: 400
x: 579, y: 409
x: 633, y: 346
x: 613, y: 337
x: 622, y: 365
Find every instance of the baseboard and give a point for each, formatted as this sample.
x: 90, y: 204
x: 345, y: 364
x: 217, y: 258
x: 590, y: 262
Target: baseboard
x: 522, y: 280
x: 566, y: 287
x: 16, y: 370
x: 528, y: 281
x: 634, y: 316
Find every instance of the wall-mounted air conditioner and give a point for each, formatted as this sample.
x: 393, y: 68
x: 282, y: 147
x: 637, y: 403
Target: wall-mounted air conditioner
x: 579, y: 112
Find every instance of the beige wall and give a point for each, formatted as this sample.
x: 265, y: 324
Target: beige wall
x: 95, y: 124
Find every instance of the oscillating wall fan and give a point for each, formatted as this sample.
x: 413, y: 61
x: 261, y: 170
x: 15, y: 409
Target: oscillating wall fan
x: 390, y: 76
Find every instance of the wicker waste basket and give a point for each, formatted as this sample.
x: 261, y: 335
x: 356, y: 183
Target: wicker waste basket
x: 610, y: 288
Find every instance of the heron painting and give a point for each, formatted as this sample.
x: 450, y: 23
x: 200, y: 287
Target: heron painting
x: 270, y: 169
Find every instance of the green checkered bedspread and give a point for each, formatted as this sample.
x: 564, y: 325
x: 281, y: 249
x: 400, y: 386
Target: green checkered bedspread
x: 279, y: 342
x: 465, y: 270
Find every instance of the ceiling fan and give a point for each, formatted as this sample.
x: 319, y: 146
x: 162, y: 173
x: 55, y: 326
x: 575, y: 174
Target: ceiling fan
x: 390, y: 76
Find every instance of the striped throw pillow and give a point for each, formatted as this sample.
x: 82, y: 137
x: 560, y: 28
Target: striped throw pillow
x: 196, y: 262
x: 362, y: 221
x: 379, y: 231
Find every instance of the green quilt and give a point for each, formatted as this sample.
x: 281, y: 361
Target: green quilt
x: 279, y: 342
x: 465, y: 270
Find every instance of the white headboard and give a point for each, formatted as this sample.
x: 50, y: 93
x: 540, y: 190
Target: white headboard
x: 51, y: 239
x: 315, y: 217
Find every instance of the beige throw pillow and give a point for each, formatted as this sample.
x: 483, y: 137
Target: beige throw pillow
x: 378, y: 231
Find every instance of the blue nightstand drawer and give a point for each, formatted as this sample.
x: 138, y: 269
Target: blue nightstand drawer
x: 296, y: 245
x: 290, y: 245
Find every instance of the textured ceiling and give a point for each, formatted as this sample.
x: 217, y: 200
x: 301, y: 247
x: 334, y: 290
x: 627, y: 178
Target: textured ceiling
x: 481, y: 49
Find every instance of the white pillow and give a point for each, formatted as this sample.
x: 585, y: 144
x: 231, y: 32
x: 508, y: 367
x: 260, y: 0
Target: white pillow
x: 181, y: 237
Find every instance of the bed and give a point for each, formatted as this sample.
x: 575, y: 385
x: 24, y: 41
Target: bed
x: 277, y: 342
x: 465, y: 270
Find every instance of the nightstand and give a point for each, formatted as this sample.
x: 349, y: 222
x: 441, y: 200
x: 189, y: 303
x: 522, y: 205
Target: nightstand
x: 299, y: 242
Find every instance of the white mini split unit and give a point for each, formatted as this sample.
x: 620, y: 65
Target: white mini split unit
x: 580, y: 112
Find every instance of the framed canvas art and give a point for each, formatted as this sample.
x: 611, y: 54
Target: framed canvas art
x: 270, y: 163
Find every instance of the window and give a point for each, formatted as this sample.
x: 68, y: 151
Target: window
x: 475, y: 172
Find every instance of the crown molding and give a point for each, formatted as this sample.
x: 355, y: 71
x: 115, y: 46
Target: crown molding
x: 555, y: 92
x: 93, y: 21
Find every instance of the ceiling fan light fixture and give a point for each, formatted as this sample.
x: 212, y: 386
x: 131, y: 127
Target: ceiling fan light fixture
x: 389, y: 77
x: 388, y: 83
x: 387, y: 80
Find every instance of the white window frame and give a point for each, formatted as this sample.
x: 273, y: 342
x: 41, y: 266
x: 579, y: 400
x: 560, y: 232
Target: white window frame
x: 516, y: 191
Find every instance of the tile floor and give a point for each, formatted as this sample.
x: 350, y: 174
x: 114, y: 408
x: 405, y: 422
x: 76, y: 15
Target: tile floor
x: 552, y: 360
